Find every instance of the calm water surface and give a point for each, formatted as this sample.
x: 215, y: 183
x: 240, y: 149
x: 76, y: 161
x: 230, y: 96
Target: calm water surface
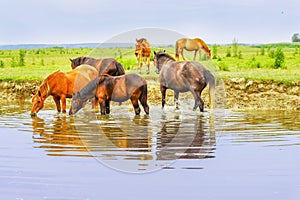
x: 167, y: 155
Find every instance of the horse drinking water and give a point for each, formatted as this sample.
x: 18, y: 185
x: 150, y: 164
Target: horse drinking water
x: 195, y: 44
x: 113, y: 88
x: 183, y: 77
x: 60, y: 85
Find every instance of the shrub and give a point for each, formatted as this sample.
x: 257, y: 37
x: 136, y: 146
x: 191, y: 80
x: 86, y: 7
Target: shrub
x: 22, y: 54
x: 279, y: 58
x: 215, y: 51
x: 228, y: 54
x: 1, y: 64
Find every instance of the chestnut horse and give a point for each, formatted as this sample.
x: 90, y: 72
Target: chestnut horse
x: 195, y: 44
x: 60, y: 85
x: 104, y: 66
x: 113, y: 88
x: 183, y: 77
x: 142, y: 51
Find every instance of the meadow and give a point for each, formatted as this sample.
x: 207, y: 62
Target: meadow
x: 276, y: 62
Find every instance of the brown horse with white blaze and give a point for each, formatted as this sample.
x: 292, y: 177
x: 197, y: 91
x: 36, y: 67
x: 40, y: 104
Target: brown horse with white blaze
x: 188, y: 44
x: 61, y: 85
x: 142, y: 53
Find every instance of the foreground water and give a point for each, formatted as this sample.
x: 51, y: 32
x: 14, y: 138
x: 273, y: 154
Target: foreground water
x: 167, y: 155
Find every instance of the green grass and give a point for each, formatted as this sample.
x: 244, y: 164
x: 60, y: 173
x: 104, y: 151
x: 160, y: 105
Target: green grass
x: 249, y: 63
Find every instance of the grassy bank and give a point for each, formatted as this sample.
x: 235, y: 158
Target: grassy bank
x: 231, y: 61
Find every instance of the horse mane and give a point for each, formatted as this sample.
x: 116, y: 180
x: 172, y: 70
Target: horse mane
x: 164, y: 54
x: 44, y: 89
x: 89, y: 91
x: 84, y: 60
x: 203, y: 44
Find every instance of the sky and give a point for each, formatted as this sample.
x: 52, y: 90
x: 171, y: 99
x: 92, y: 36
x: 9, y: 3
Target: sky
x: 97, y: 21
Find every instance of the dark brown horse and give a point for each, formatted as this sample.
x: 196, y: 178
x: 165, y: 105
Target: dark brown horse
x: 142, y: 53
x: 60, y: 85
x: 183, y: 77
x: 113, y: 88
x: 104, y: 66
x: 195, y: 44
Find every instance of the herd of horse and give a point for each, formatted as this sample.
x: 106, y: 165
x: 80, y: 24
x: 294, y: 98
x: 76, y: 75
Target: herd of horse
x: 104, y: 80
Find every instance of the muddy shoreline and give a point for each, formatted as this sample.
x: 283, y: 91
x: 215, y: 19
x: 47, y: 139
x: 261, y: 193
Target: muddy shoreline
x: 241, y: 94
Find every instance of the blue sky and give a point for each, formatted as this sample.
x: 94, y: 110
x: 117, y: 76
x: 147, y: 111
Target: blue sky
x: 80, y: 21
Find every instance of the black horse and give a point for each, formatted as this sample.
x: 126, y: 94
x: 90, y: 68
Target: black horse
x: 183, y: 77
x: 104, y: 66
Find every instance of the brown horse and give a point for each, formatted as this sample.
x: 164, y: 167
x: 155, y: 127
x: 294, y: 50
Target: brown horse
x: 142, y: 53
x: 104, y: 66
x: 183, y: 77
x: 195, y: 44
x: 60, y: 85
x: 113, y: 88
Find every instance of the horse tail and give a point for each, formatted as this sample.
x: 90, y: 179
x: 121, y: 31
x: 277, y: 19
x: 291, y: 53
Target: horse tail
x: 210, y: 80
x: 144, y: 96
x: 120, y: 69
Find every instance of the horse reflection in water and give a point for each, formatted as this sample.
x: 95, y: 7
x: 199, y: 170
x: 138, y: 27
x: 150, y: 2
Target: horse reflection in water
x: 126, y: 138
x: 59, y: 137
x: 180, y: 140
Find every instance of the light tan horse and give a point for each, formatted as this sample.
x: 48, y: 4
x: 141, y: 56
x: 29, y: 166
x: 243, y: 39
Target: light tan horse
x: 195, y: 44
x: 142, y: 53
x: 61, y: 85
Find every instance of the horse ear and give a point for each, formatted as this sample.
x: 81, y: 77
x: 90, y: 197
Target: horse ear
x: 71, y: 59
x: 33, y: 93
x: 164, y: 50
x: 136, y: 39
x: 154, y: 52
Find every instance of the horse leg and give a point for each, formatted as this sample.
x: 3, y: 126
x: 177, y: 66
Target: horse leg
x: 163, y: 90
x: 181, y: 52
x: 195, y: 54
x: 107, y: 106
x: 148, y: 65
x: 135, y: 104
x: 64, y: 103
x: 57, y: 103
x: 176, y: 100
x: 102, y: 106
x: 200, y: 54
x: 198, y: 101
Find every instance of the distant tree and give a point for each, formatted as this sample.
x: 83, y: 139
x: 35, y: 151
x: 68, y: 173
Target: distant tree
x: 295, y: 37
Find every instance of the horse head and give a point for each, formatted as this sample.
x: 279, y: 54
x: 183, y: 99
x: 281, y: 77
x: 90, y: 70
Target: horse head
x: 77, y: 103
x: 37, y: 103
x: 160, y: 58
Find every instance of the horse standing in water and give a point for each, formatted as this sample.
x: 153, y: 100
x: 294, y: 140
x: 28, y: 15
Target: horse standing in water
x: 183, y: 77
x: 142, y: 51
x: 104, y: 66
x: 113, y: 88
x: 60, y: 85
x: 195, y: 44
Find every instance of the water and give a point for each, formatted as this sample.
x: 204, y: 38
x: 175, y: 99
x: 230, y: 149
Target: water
x: 167, y: 155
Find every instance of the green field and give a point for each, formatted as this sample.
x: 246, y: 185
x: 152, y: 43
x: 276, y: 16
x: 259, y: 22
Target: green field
x: 255, y: 62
